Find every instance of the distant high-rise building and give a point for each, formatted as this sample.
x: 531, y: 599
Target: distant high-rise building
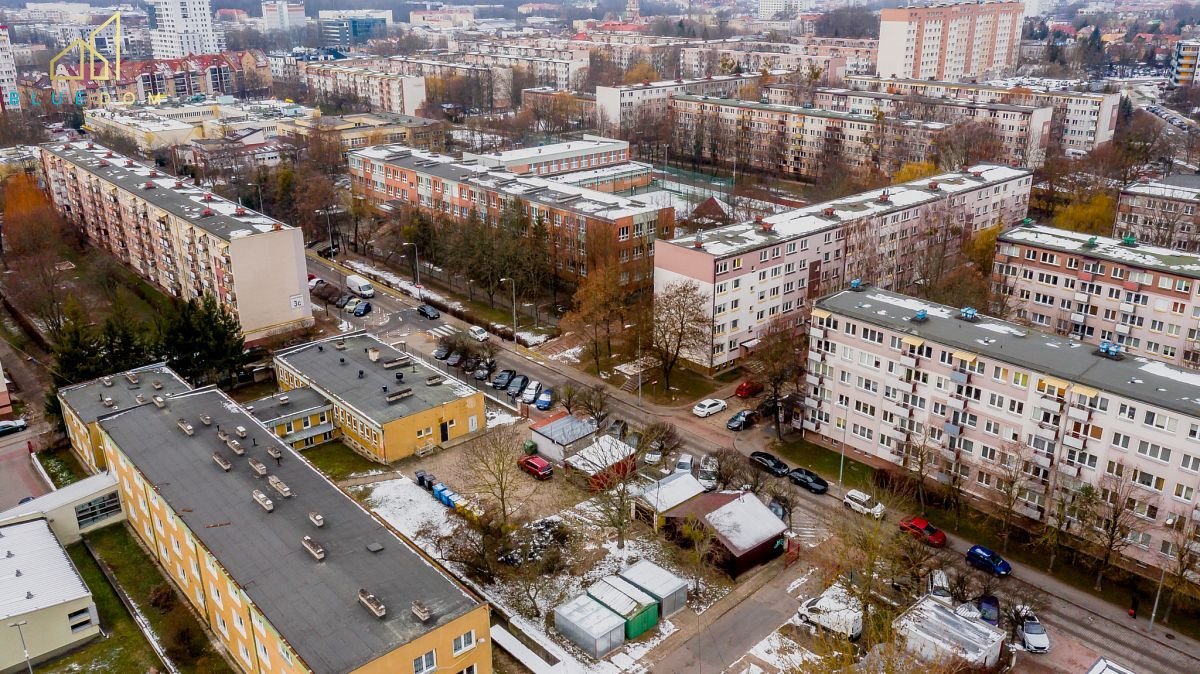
x: 182, y: 27
x: 351, y: 30
x: 633, y: 12
x: 282, y: 15
x: 950, y: 42
x: 8, y: 73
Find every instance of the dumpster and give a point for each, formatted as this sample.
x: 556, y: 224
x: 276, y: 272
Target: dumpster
x: 420, y: 477
x: 438, y: 489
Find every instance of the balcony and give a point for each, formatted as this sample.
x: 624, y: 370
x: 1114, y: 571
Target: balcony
x: 1070, y: 469
x: 1123, y: 328
x: 1078, y: 317
x: 816, y: 333
x: 908, y: 361
x: 956, y: 403
x: 952, y: 429
x: 816, y: 356
x: 1126, y: 308
x: 960, y: 377
x: 812, y: 379
x: 1079, y: 413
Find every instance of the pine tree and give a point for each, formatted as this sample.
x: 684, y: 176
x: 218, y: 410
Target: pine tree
x: 77, y: 353
x: 122, y: 340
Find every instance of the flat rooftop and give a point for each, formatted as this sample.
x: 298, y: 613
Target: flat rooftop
x: 335, y: 371
x: 313, y: 604
x: 692, y: 81
x: 943, y: 100
x: 572, y: 148
x: 141, y: 121
x: 47, y: 575
x: 1149, y: 381
x: 287, y: 404
x: 185, y: 202
x: 1105, y: 248
x: 968, y: 638
x: 741, y: 237
x: 1165, y: 190
x: 99, y: 397
x: 999, y: 86
x: 809, y: 112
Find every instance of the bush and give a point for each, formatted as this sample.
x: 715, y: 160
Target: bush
x: 162, y: 597
x: 182, y: 637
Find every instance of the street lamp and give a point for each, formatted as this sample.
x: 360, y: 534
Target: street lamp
x: 24, y: 648
x: 329, y: 225
x: 471, y: 289
x: 514, y: 305
x: 631, y: 326
x: 416, y: 266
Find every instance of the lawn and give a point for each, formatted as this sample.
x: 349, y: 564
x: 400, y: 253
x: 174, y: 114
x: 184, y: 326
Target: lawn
x: 62, y: 466
x: 121, y: 648
x: 825, y: 462
x: 138, y: 576
x: 251, y: 392
x: 686, y: 387
x: 339, y: 462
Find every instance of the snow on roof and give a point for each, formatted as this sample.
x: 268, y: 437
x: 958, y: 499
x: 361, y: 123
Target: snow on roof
x: 938, y: 624
x: 671, y: 491
x: 744, y: 523
x: 1106, y: 666
x: 1105, y: 248
x: 142, y: 121
x: 626, y: 604
x: 589, y: 143
x: 615, y: 170
x: 655, y: 579
x: 38, y: 573
x: 604, y: 453
x: 590, y: 616
x: 1164, y: 190
x: 61, y: 497
x: 565, y: 429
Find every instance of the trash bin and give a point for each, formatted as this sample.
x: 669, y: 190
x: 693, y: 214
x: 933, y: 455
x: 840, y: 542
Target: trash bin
x: 438, y: 489
x: 420, y: 475
x: 530, y: 447
x: 430, y: 480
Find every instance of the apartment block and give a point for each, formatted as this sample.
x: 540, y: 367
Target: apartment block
x: 1096, y: 289
x: 351, y: 31
x: 1082, y: 121
x: 179, y: 28
x: 624, y: 178
x: 1161, y: 213
x: 384, y: 92
x: 148, y: 131
x: 560, y: 73
x: 583, y: 223
x: 798, y: 140
x: 371, y: 128
x: 1183, y: 63
x: 1023, y: 130
x: 288, y: 571
x: 185, y: 241
x: 700, y: 61
x: 8, y: 74
x: 626, y: 106
x: 233, y: 73
x: 83, y: 405
x: 301, y: 417
x: 556, y: 158
x: 950, y: 41
x: 752, y: 273
x: 281, y: 15
x: 889, y: 375
x: 576, y: 108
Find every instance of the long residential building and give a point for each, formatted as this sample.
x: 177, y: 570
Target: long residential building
x: 384, y: 92
x: 182, y: 239
x: 288, y: 572
x: 10, y: 98
x: 1082, y: 121
x: 798, y: 141
x: 1097, y: 289
x: 590, y: 152
x: 376, y: 80
x: 587, y: 227
x: 901, y: 380
x: 900, y: 237
x: 1161, y: 213
x: 1023, y: 130
x: 854, y: 55
x: 1184, y: 61
x: 629, y: 105
x: 950, y: 41
x: 370, y: 128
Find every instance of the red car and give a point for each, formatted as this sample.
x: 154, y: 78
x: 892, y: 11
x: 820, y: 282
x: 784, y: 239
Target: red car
x: 748, y: 388
x: 920, y: 529
x: 536, y: 466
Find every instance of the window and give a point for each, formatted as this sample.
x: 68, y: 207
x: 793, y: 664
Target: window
x: 1154, y: 451
x: 464, y: 642
x: 1159, y: 421
x: 81, y: 619
x: 469, y: 670
x: 1148, y: 480
x: 1191, y: 463
x: 425, y: 664
x: 1183, y: 492
x: 97, y: 509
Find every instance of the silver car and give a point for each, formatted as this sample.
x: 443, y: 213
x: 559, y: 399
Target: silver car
x: 532, y: 389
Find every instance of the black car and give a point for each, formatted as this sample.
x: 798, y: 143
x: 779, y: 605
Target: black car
x: 429, y: 312
x: 484, y: 369
x: 502, y: 380
x: 454, y: 359
x: 742, y: 420
x: 618, y: 428
x: 362, y: 309
x: 442, y: 352
x: 804, y: 477
x: 770, y: 463
x: 768, y: 406
x: 470, y: 363
x: 341, y: 301
x: 516, y: 385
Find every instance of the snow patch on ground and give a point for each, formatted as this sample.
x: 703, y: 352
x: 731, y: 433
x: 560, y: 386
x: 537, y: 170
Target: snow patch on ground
x: 796, y: 584
x: 345, y: 326
x: 409, y: 508
x: 400, y: 284
x: 495, y: 419
x: 368, y: 473
x: 532, y: 338
x: 783, y: 653
x: 639, y: 649
x: 568, y: 356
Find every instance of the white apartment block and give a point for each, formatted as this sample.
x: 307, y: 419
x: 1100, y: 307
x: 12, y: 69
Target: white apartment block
x: 385, y: 14
x: 10, y: 98
x: 834, y: 56
x: 1098, y: 289
x: 1082, y: 121
x: 888, y: 373
x: 1183, y: 63
x: 753, y: 272
x: 493, y: 83
x: 559, y: 73
x: 1160, y: 214
x: 950, y: 41
x: 281, y: 15
x: 181, y: 239
x: 623, y: 106
x: 385, y: 92
x: 179, y: 28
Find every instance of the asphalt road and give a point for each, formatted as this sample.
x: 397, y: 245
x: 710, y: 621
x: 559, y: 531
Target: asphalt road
x: 18, y: 478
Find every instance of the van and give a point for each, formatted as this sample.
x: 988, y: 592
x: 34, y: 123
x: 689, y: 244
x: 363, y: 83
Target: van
x: 835, y: 610
x: 359, y: 286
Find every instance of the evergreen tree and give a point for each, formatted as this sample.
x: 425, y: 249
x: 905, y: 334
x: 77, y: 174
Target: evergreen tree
x: 77, y: 352
x: 203, y: 341
x: 123, y: 340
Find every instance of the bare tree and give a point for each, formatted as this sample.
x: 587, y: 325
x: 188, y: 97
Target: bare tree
x: 778, y: 359
x: 616, y: 486
x: 570, y: 397
x: 595, y: 402
x: 1181, y: 545
x: 1117, y: 522
x: 682, y: 325
x: 494, y: 472
x: 1011, y: 482
x: 1018, y: 599
x: 920, y: 460
x: 700, y: 541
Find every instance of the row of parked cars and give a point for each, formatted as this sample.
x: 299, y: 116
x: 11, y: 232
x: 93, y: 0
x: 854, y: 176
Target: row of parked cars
x: 1168, y: 116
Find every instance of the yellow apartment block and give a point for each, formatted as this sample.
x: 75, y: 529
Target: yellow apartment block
x: 385, y: 404
x: 291, y: 574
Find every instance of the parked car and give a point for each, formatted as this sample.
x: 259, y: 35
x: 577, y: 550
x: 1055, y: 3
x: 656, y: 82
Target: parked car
x: 24, y: 500
x: 315, y: 283
x: 482, y: 372
x: 989, y: 610
x: 986, y: 560
x: 516, y: 385
x: 920, y: 529
x: 442, y: 352
x: 654, y: 453
x: 352, y: 305
x: 937, y: 585
x: 10, y: 427
x: 478, y: 333
x: 503, y: 379
x: 803, y: 477
x: 742, y: 420
x: 363, y: 309
x: 1033, y: 633
x: 707, y: 475
x: 684, y: 464
x: 634, y: 439
x: 863, y: 503
x: 767, y: 406
x: 429, y: 312
x: 835, y: 610
x: 530, y: 394
x: 455, y: 359
x: 777, y: 509
x: 545, y: 399
x: 770, y: 463
x: 618, y: 428
x: 536, y: 466
x: 342, y: 299
x: 709, y: 407
x: 748, y: 388
x: 470, y: 363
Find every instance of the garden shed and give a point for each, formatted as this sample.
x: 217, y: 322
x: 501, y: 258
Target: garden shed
x: 670, y: 590
x: 590, y: 625
x: 639, y: 609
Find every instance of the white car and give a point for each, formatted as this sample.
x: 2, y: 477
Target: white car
x: 478, y: 333
x: 709, y: 407
x: 863, y: 503
x: 1033, y: 634
x: 684, y: 464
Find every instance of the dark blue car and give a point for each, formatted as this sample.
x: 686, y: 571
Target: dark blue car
x: 986, y: 560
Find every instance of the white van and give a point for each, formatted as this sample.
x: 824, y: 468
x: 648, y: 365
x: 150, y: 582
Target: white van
x: 359, y: 286
x: 835, y: 610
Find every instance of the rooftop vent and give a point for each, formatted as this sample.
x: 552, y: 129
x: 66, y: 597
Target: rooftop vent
x: 766, y: 226
x: 208, y: 196
x: 91, y: 146
x: 976, y: 174
x: 698, y: 242
x: 222, y: 462
x: 131, y: 378
x: 109, y: 154
x: 140, y: 398
x: 372, y: 603
x: 434, y: 380
x: 241, y: 431
x: 1129, y: 240
x: 283, y: 400
x: 258, y: 467
x: 401, y: 394
x: 1028, y: 222
x: 149, y: 185
x: 240, y: 211
x: 1091, y: 242
x: 263, y: 500
x: 206, y: 213
x: 156, y: 384
x: 314, y: 548
x: 159, y: 402
x: 361, y: 374
x: 398, y: 361
x: 128, y: 163
x: 274, y: 452
x: 421, y: 611
x: 186, y: 427
x: 921, y: 316
x: 399, y: 376
x: 153, y: 173
x: 857, y: 285
x: 316, y: 518
x: 178, y: 184
x: 828, y: 212
x: 933, y: 185
x: 279, y: 486
x: 884, y: 197
x: 103, y: 163
x: 108, y: 402
x: 206, y: 419
x: 235, y: 446
x: 340, y: 345
x: 107, y: 381
x: 968, y: 314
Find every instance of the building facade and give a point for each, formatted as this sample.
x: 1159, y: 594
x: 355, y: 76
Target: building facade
x: 10, y: 99
x: 625, y: 106
x: 385, y: 92
x: 1097, y: 289
x: 180, y: 28
x: 371, y: 128
x: 228, y: 495
x: 351, y: 31
x: 1183, y: 62
x: 586, y: 227
x: 985, y: 402
x: 700, y: 61
x: 183, y: 240
x: 301, y: 417
x: 1161, y: 214
x: 590, y: 152
x: 950, y: 41
x: 753, y: 273
x: 282, y: 15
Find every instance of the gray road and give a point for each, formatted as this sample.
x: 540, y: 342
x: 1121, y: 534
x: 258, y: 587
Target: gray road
x: 18, y: 478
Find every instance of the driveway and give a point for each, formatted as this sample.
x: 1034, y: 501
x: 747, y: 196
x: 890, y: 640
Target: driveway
x: 18, y: 477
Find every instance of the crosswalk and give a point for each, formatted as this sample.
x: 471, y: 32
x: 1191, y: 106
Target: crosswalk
x: 810, y: 534
x: 443, y: 331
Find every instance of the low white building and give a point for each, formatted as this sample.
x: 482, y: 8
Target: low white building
x: 933, y: 632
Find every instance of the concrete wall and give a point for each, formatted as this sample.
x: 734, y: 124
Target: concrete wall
x: 269, y: 274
